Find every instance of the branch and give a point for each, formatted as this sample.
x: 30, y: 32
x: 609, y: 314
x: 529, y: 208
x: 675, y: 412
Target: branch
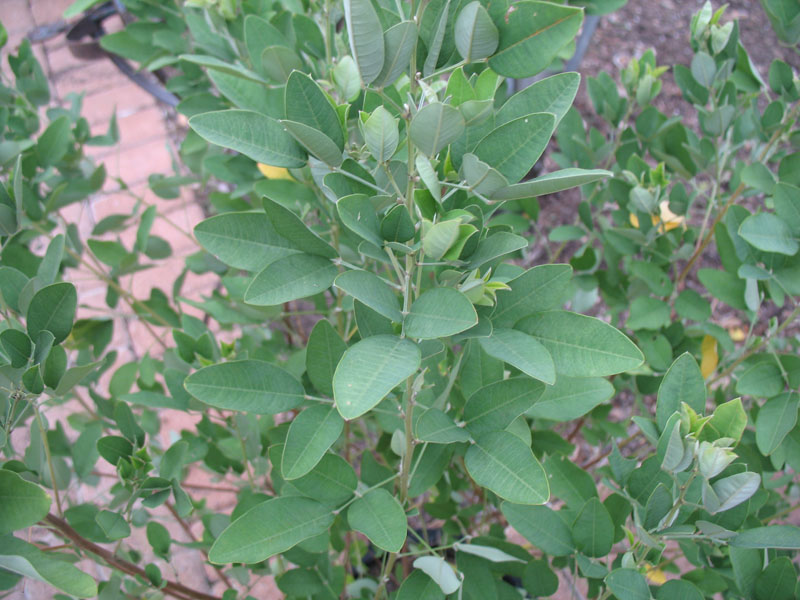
x: 174, y: 589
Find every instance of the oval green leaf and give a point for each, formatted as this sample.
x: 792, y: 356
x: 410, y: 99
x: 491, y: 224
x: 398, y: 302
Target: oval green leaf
x: 582, y: 346
x: 371, y: 290
x: 310, y: 435
x: 52, y: 309
x: 440, y: 312
x: 255, y: 135
x: 522, y: 352
x: 250, y: 386
x: 370, y: 369
x: 379, y: 516
x: 22, y: 503
x: 269, y: 528
x: 502, y: 462
x: 291, y: 278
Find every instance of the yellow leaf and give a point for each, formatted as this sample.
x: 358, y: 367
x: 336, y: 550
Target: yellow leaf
x: 271, y: 172
x: 710, y: 357
x: 655, y: 576
x: 634, y: 220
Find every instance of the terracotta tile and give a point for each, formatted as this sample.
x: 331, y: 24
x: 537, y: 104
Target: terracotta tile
x: 16, y: 16
x: 89, y: 78
x: 134, y: 165
x: 49, y: 11
x: 126, y: 98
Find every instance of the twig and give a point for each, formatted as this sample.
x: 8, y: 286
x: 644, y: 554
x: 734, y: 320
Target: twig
x: 174, y: 589
x: 188, y: 531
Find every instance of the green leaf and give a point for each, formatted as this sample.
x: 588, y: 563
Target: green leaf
x: 418, y: 586
x: 366, y: 38
x: 255, y: 135
x: 683, y: 382
x: 291, y: 278
x: 324, y: 351
x: 648, y: 313
x: 775, y: 420
x: 440, y: 571
x: 113, y: 448
x: 370, y: 289
x: 769, y: 233
x: 270, y: 528
x: 778, y: 581
x: 331, y: 482
x: 381, y: 134
x: 54, y: 142
x: 735, y: 489
x: 113, y: 525
x: 259, y: 34
x: 495, y: 406
x: 306, y: 103
x: 437, y: 427
x: 22, y: 503
x: 435, y: 126
x: 250, y: 386
x: 434, y: 42
x: 52, y: 309
x: 310, y: 435
x: 787, y: 205
x: 370, y: 369
x: 358, y: 214
x: 725, y: 286
x: 522, y: 352
x: 486, y: 552
x: 593, y: 529
x: 439, y: 312
x: 628, y: 584
x: 278, y: 62
x: 537, y: 289
x: 397, y: 226
x: 27, y: 560
x: 582, y: 346
x: 502, y: 462
x: 553, y: 95
x: 514, y: 147
x: 480, y: 177
x: 496, y: 245
x: 399, y: 41
x: 476, y: 34
x: 243, y: 240
x: 532, y: 35
x: 438, y: 239
x: 785, y: 537
x: 729, y: 420
x: 315, y: 142
x: 290, y: 226
x: 379, y: 516
x: 679, y: 589
x: 571, y: 398
x: 762, y: 380
x: 550, y: 184
x: 542, y: 527
x: 17, y: 347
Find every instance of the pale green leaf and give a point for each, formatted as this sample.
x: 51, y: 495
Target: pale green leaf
x: 400, y: 41
x: 435, y: 126
x: 571, y: 398
x: 537, y: 289
x: 683, y: 382
x: 521, y: 351
x: 310, y: 435
x: 250, y: 386
x: 552, y: 94
x: 514, y: 147
x: 502, y: 462
x: 550, y: 183
x: 366, y: 38
x: 542, y: 527
x: 379, y: 516
x: 440, y: 571
x: 495, y: 406
x: 291, y: 278
x: 270, y: 528
x: 323, y: 352
x: 255, y: 135
x: 22, y: 503
x: 440, y: 312
x: 381, y: 134
x: 582, y: 346
x: 370, y: 369
x: 243, y: 240
x: 372, y: 291
x: 476, y: 35
x: 769, y: 233
x: 775, y: 420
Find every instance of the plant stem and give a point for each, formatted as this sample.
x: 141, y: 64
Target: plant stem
x: 174, y: 589
x: 188, y: 531
x: 49, y: 457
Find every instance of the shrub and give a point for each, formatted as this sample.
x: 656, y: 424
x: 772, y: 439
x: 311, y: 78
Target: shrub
x: 399, y: 384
